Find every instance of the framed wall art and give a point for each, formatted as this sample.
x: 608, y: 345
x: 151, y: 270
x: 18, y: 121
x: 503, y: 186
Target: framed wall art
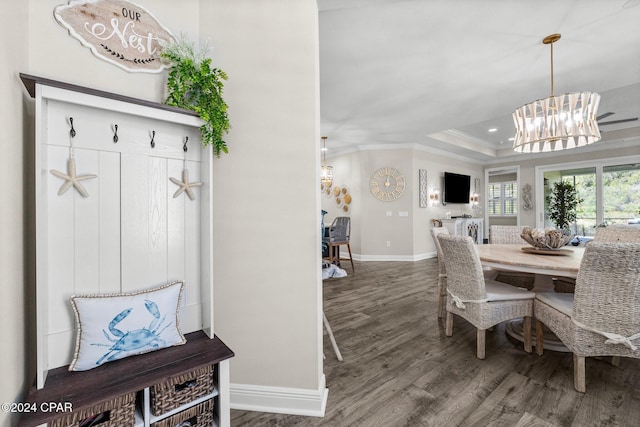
x: 423, y: 193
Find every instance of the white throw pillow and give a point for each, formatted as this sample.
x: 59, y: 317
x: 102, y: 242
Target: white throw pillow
x: 115, y: 326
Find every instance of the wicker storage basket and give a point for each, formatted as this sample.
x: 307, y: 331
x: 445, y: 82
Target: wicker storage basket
x: 118, y: 412
x: 182, y: 389
x: 200, y: 415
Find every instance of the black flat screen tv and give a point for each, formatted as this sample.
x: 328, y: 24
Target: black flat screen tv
x: 456, y: 188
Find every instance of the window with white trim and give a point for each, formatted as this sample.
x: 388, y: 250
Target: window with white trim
x: 502, y: 198
x: 609, y: 192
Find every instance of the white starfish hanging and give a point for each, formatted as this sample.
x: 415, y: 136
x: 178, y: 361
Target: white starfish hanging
x: 185, y: 185
x: 71, y: 179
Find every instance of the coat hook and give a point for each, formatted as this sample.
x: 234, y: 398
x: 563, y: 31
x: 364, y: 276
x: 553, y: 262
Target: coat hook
x: 184, y: 147
x: 153, y: 136
x: 115, y: 134
x: 72, y: 132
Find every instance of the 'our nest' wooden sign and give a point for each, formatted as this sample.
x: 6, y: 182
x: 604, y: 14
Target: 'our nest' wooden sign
x: 118, y: 31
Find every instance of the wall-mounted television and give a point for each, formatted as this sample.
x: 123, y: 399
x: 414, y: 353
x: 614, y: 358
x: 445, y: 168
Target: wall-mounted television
x: 457, y: 188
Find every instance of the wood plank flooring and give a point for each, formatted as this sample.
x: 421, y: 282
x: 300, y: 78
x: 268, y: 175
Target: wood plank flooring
x: 400, y: 369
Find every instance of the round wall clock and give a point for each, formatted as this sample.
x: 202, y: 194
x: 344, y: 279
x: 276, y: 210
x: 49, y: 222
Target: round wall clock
x: 387, y: 184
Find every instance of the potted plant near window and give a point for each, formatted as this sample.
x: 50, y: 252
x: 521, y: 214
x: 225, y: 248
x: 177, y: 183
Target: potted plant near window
x: 194, y: 85
x: 563, y: 201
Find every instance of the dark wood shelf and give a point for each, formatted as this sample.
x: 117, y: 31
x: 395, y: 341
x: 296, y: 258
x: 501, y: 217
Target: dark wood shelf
x: 30, y: 82
x: 86, y: 388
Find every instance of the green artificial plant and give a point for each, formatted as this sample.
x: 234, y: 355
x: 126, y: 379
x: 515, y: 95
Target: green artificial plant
x: 563, y: 201
x: 194, y: 85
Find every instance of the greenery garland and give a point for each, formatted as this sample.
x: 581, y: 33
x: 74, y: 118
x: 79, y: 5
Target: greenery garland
x: 194, y: 85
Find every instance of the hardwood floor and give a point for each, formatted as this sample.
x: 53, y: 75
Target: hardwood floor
x: 400, y: 369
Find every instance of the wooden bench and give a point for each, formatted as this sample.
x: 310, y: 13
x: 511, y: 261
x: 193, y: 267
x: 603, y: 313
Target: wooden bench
x: 83, y: 389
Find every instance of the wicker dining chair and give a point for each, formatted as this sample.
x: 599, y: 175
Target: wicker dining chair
x: 506, y: 234
x: 483, y: 303
x: 618, y: 233
x: 510, y: 234
x: 612, y: 233
x: 602, y: 318
x: 442, y: 272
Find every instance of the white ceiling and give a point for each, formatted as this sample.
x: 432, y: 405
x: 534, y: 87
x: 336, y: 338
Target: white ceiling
x: 437, y: 74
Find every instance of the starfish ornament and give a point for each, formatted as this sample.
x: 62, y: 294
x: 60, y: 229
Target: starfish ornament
x: 185, y: 185
x: 71, y: 179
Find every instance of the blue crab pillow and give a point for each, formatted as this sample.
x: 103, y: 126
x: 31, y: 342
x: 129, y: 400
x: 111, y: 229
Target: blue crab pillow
x: 111, y: 327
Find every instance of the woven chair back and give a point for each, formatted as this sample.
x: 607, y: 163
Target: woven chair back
x: 618, y: 233
x: 464, y: 270
x: 607, y: 295
x: 435, y: 231
x: 506, y: 234
x: 340, y: 229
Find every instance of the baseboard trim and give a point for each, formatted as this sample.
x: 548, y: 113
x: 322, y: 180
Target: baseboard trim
x: 280, y: 400
x: 426, y: 255
x: 417, y: 257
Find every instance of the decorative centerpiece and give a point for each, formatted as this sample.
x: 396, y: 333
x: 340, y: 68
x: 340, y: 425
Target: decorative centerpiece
x: 545, y: 239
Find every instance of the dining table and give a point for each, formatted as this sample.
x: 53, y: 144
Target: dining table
x: 563, y: 262
x: 545, y: 264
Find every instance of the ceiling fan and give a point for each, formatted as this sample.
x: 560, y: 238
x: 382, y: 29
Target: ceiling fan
x: 612, y: 122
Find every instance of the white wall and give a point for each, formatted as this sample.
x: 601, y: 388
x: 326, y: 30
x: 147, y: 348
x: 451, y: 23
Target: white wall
x: 415, y: 241
x: 377, y: 227
x: 346, y: 171
x: 372, y: 228
x: 266, y: 191
x: 436, y: 165
x: 15, y: 277
x: 267, y: 306
x: 53, y: 53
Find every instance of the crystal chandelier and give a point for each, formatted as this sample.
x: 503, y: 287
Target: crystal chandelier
x: 558, y: 122
x: 326, y: 172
